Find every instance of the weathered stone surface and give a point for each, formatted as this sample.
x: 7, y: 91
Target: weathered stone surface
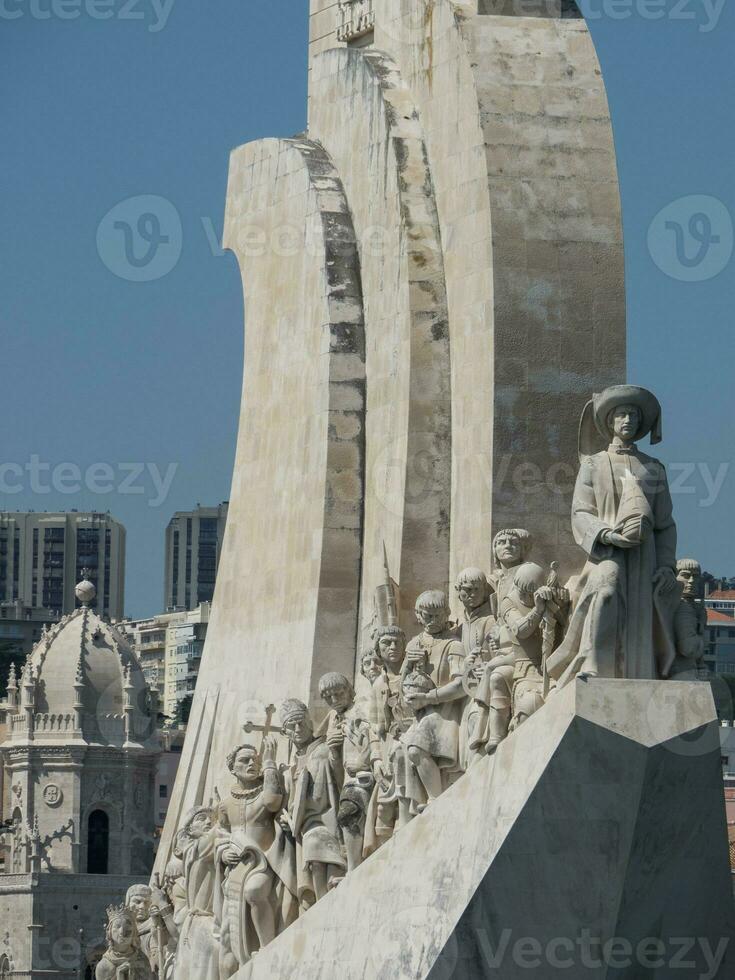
x: 602, y: 817
x: 427, y: 274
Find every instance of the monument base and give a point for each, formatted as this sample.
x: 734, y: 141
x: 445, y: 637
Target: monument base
x: 593, y: 844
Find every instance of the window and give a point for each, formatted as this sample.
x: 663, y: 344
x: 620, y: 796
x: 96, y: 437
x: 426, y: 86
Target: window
x: 98, y: 843
x: 162, y: 791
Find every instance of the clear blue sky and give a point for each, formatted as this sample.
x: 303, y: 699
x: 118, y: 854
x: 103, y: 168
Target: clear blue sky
x: 101, y: 369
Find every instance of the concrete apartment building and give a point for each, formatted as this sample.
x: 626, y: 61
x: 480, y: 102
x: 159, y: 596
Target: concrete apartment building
x: 193, y: 547
x: 42, y: 556
x: 169, y: 648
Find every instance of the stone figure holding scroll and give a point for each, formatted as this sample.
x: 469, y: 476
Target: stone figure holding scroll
x: 622, y: 518
x: 255, y: 867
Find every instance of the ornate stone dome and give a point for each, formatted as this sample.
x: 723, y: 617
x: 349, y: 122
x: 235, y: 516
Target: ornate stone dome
x: 82, y: 679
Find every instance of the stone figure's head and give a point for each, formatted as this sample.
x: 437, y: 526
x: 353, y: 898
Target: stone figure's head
x: 472, y: 587
x: 197, y: 823
x: 624, y: 421
x: 417, y: 682
x: 689, y: 573
x: 390, y: 645
x: 296, y: 722
x: 371, y: 666
x: 511, y: 546
x: 244, y: 763
x: 138, y: 900
x: 432, y: 610
x: 336, y: 690
x: 528, y: 579
x: 121, y: 931
x: 627, y: 412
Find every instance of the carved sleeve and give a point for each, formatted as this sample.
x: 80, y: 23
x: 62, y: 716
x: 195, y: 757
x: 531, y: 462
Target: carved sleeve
x: 272, y: 789
x: 586, y: 523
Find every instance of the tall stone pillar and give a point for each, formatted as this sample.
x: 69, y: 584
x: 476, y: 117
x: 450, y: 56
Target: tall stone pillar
x: 433, y: 281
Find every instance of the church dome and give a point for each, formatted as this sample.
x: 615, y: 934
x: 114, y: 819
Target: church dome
x: 83, y: 677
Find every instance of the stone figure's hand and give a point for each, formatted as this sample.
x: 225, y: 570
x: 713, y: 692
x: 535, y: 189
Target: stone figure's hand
x: 415, y: 658
x: 666, y: 578
x: 230, y: 857
x: 158, y: 900
x: 269, y: 749
x: 284, y: 822
x: 335, y: 739
x: 492, y: 641
x: 416, y: 701
x: 539, y: 600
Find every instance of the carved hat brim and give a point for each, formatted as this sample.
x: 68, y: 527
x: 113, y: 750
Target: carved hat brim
x: 642, y: 398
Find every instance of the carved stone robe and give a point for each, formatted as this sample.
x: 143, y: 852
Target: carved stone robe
x: 249, y: 826
x: 313, y: 802
x: 197, y: 954
x: 637, y: 640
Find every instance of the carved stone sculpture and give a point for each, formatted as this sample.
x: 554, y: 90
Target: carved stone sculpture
x: 123, y: 959
x: 511, y: 547
x: 690, y: 625
x: 392, y: 717
x: 198, y: 950
x: 352, y: 750
x: 256, y: 882
x: 479, y: 633
x: 432, y: 741
x: 154, y: 920
x: 312, y: 796
x: 622, y: 518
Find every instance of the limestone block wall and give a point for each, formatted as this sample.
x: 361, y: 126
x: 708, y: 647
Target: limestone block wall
x: 364, y: 115
x: 288, y: 585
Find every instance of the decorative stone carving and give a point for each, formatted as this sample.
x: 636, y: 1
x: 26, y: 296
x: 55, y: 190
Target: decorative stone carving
x: 254, y: 868
x: 622, y: 517
x: 154, y: 921
x: 52, y: 795
x: 690, y: 625
x: 356, y: 18
x: 123, y: 959
x: 312, y: 806
x: 198, y: 951
x: 352, y: 751
x: 432, y: 741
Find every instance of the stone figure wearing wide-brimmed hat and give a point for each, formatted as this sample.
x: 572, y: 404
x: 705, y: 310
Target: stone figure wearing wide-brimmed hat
x: 622, y: 518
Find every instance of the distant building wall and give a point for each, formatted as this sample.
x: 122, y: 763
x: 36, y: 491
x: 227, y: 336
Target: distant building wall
x: 193, y: 547
x: 42, y: 556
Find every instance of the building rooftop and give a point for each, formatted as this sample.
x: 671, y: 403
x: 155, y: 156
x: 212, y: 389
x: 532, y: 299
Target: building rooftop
x: 715, y: 616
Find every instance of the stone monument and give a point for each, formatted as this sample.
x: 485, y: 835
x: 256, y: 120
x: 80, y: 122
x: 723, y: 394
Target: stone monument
x: 435, y: 348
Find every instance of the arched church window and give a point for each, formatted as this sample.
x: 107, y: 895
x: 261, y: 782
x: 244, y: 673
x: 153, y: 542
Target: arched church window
x: 4, y: 968
x: 98, y: 843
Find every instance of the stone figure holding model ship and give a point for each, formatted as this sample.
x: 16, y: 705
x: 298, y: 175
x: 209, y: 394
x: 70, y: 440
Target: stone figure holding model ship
x: 622, y: 517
